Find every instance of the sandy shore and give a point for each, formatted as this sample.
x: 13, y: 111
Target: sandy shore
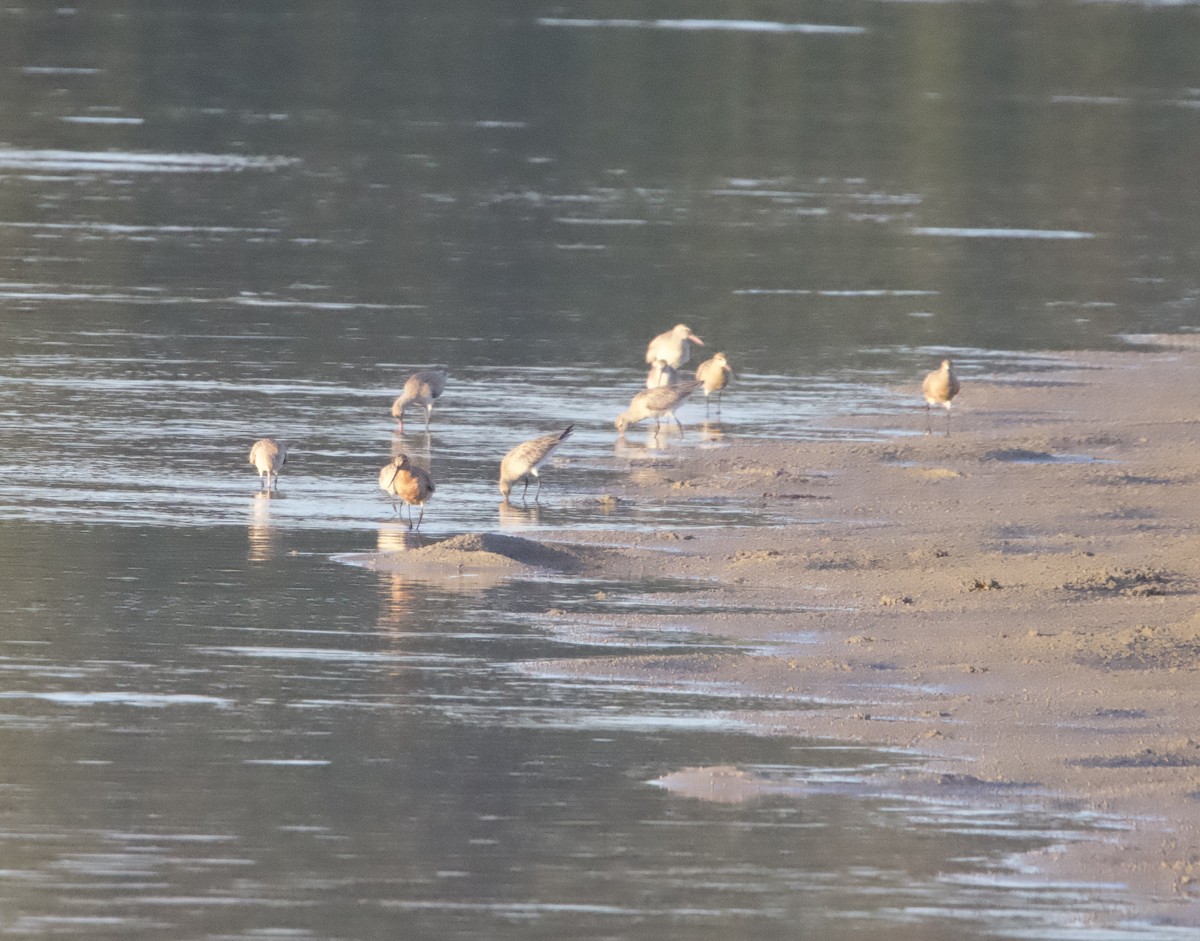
x: 1018, y: 601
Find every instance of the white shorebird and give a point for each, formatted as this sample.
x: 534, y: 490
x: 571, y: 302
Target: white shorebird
x: 715, y: 374
x: 658, y: 404
x: 661, y: 373
x: 268, y: 456
x: 408, y: 483
x: 523, y: 461
x: 674, y: 346
x: 939, y: 387
x: 421, y: 388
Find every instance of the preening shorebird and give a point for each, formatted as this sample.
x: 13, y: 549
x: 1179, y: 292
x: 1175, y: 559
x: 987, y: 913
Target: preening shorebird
x: 674, y: 346
x: 939, y: 387
x: 408, y: 483
x: 268, y: 456
x: 661, y: 373
x: 715, y: 375
x: 523, y: 461
x: 658, y: 403
x: 421, y: 388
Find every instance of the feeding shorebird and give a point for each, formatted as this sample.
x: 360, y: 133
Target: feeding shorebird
x: 523, y: 461
x: 268, y: 456
x: 715, y: 374
x: 658, y: 403
x: 674, y: 346
x: 404, y: 481
x: 421, y: 388
x: 939, y: 387
x: 661, y: 373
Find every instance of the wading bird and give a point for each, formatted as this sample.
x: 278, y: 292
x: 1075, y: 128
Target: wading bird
x: 408, y: 483
x: 268, y: 456
x: 715, y: 374
x: 421, y: 388
x: 523, y: 461
x: 674, y: 346
x: 658, y: 404
x: 939, y: 387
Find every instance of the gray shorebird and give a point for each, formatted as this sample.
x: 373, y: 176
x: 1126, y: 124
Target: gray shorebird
x: 523, y: 461
x: 268, y: 456
x: 421, y: 388
x: 405, y: 482
x: 658, y: 403
x: 674, y: 346
x: 939, y: 388
x: 715, y: 375
x: 661, y: 373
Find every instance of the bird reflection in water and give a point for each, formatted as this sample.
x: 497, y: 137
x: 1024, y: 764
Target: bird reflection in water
x: 711, y: 432
x: 395, y: 589
x: 261, y: 533
x: 655, y: 442
x: 418, y: 448
x: 519, y: 516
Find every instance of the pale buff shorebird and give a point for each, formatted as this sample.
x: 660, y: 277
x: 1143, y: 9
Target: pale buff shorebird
x: 659, y: 404
x: 715, y: 374
x: 674, y: 346
x: 268, y: 456
x: 405, y: 482
x: 421, y: 388
x: 939, y: 388
x: 523, y: 462
x: 661, y: 373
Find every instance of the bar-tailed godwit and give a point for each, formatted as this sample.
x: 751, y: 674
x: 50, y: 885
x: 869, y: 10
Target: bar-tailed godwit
x: 408, y: 483
x: 658, y: 403
x: 674, y: 346
x: 939, y: 387
x: 421, y: 388
x: 268, y: 456
x: 523, y: 461
x: 715, y: 375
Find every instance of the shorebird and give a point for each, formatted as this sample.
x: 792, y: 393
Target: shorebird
x: 674, y: 346
x: 268, y: 456
x: 715, y: 374
x: 939, y: 387
x: 658, y: 404
x: 661, y: 373
x: 404, y: 481
x: 523, y: 461
x: 421, y: 388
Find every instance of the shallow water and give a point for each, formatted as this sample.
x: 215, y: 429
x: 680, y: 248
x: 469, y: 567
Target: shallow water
x: 218, y: 223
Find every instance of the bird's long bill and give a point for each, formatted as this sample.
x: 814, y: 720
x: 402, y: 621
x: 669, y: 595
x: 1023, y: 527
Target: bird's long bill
x: 695, y: 339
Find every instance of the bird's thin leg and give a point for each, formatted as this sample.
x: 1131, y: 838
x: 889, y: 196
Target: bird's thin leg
x: 706, y: 406
x: 419, y: 518
x: 947, y: 422
x: 928, y: 420
x: 720, y: 395
x: 428, y: 415
x: 677, y: 424
x: 537, y: 493
x: 526, y: 490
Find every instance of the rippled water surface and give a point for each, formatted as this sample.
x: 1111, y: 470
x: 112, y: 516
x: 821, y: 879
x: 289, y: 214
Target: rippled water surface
x: 224, y: 221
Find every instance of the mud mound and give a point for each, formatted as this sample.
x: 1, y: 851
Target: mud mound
x: 493, y: 550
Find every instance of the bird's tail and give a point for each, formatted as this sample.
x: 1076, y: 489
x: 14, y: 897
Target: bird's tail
x: 566, y: 432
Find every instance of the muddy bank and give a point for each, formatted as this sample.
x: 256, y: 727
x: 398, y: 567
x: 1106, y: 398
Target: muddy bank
x: 1018, y: 601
